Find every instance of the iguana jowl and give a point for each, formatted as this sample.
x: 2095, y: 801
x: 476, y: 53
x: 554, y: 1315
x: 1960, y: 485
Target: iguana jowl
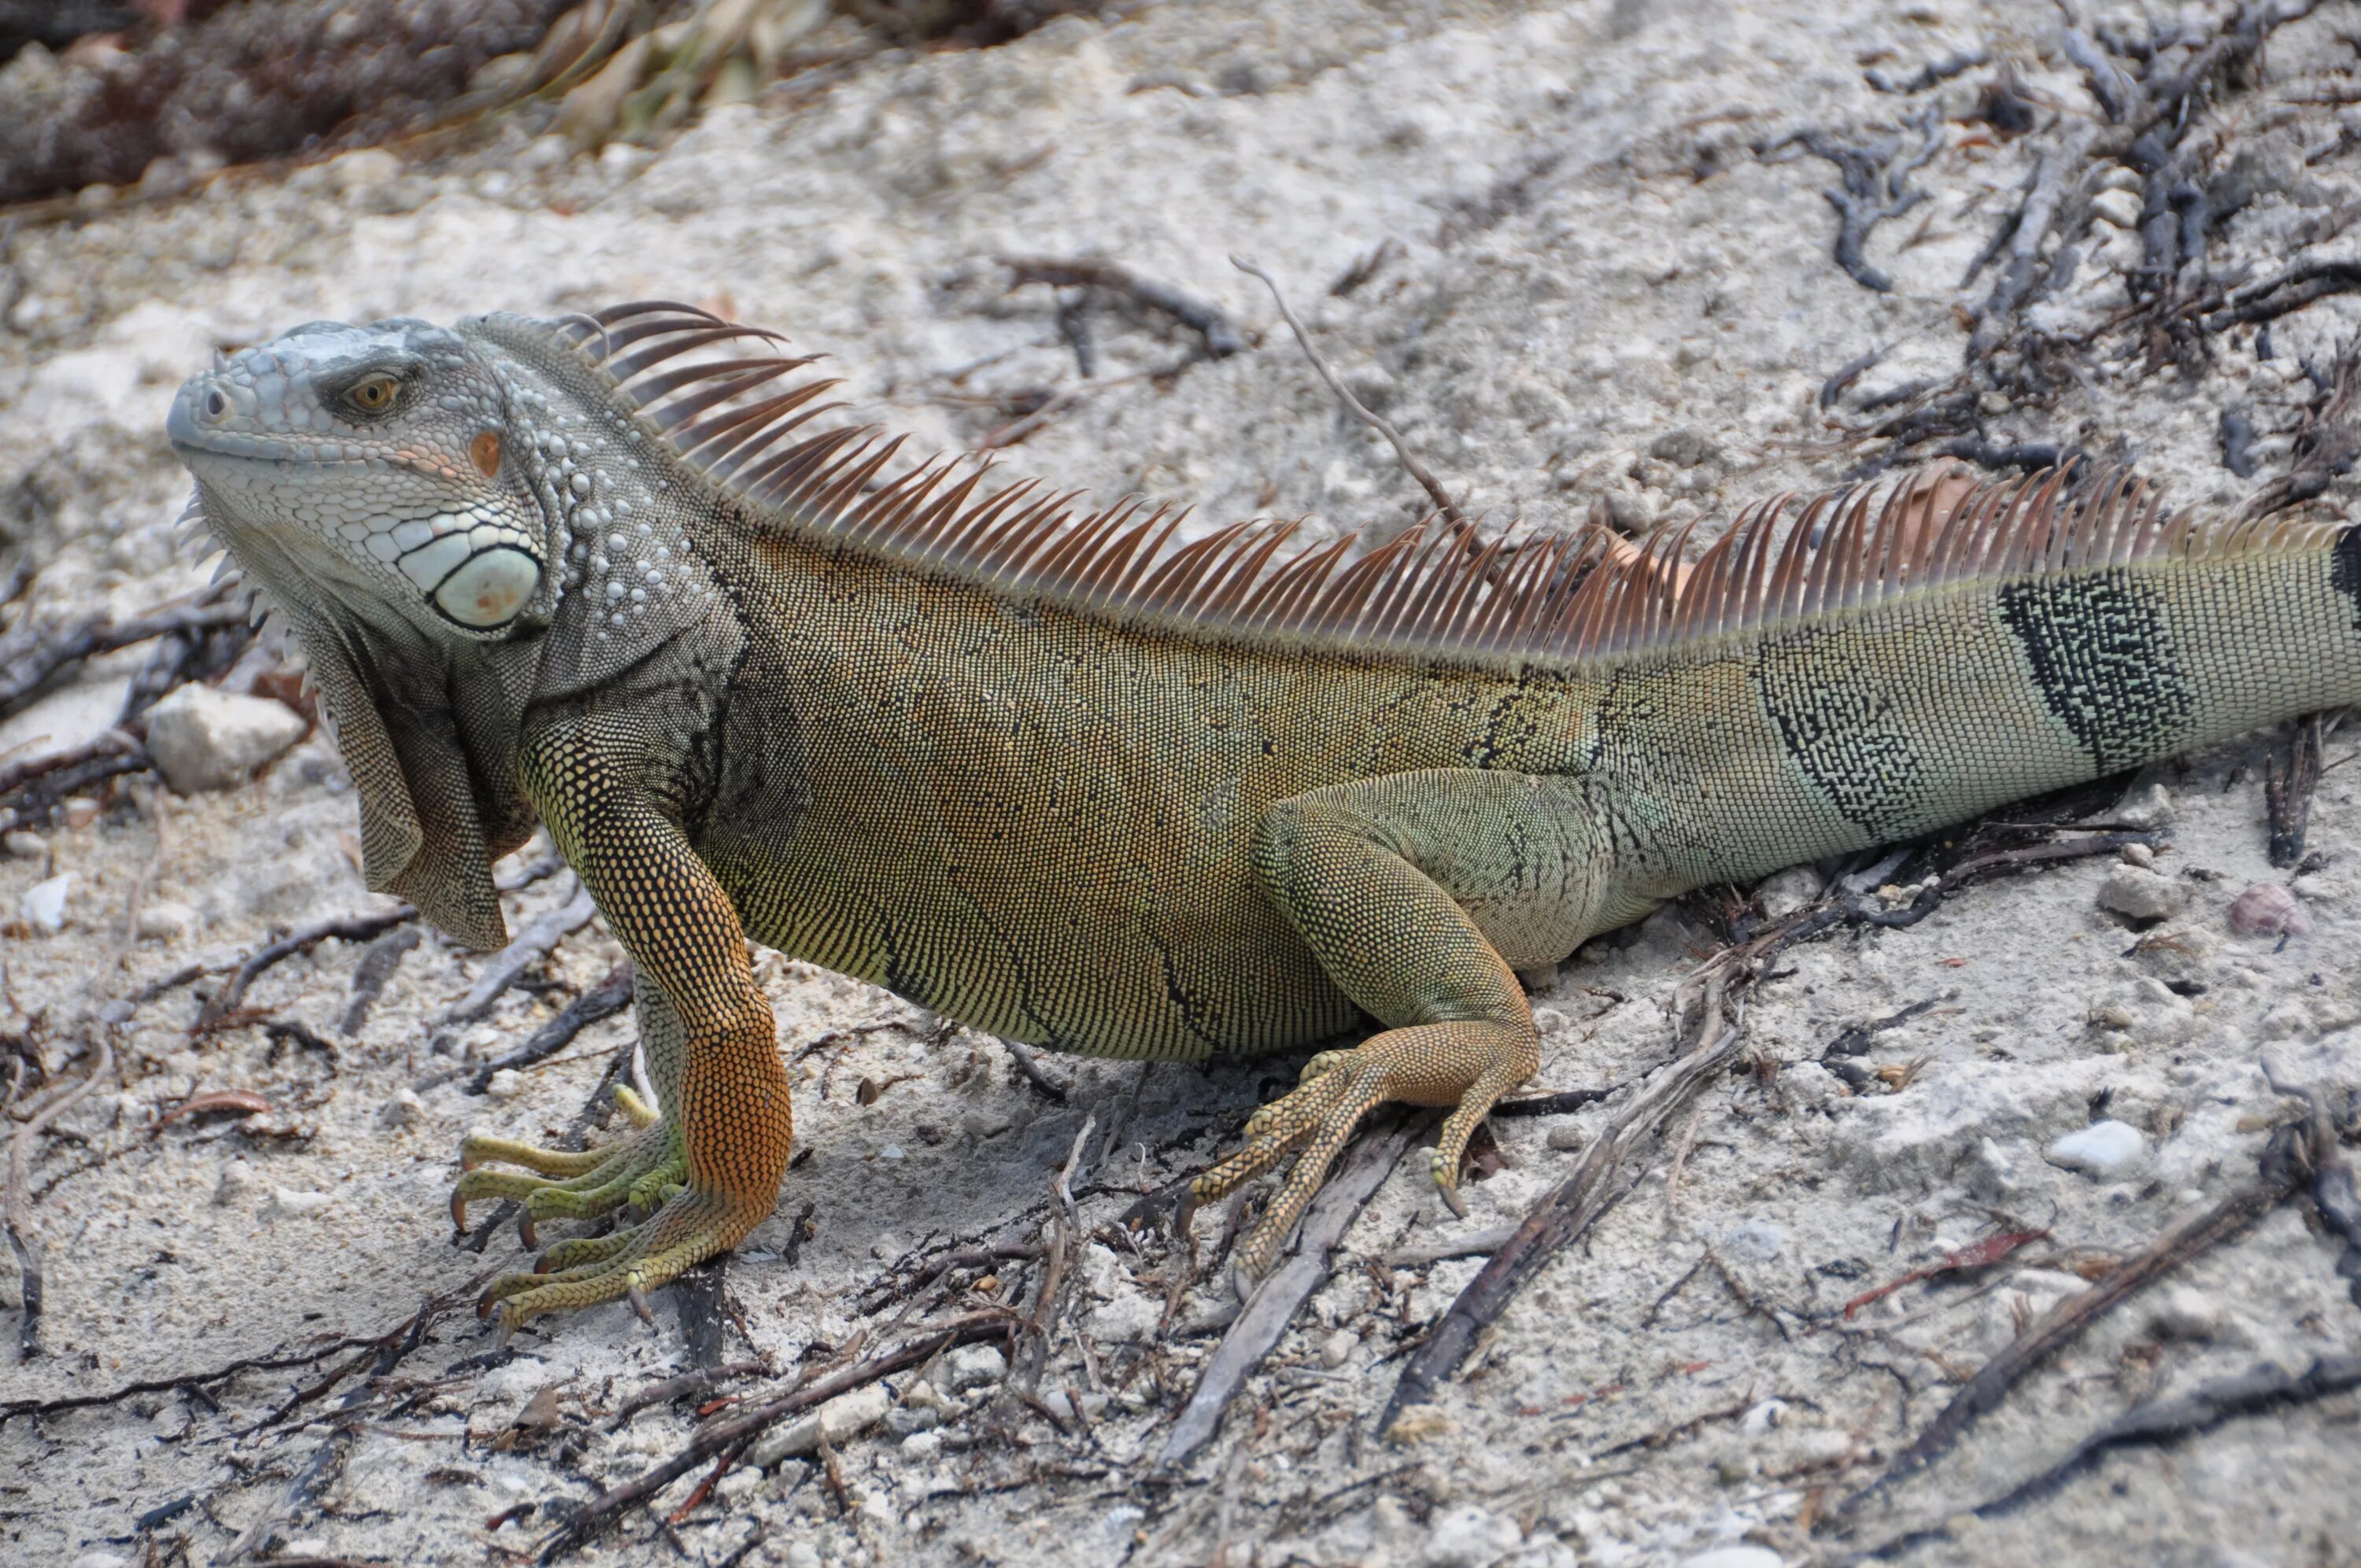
x: 1057, y: 778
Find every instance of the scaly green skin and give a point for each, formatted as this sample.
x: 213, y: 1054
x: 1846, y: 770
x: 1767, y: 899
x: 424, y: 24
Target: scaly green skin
x: 1099, y: 831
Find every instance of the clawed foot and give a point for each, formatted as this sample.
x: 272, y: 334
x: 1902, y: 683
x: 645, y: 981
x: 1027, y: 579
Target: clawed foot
x: 646, y: 1172
x: 1464, y: 1065
x: 690, y: 1227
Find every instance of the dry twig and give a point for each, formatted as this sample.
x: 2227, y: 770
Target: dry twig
x: 1409, y: 459
x: 1267, y: 1312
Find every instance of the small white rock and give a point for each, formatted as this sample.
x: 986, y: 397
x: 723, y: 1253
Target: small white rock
x: 164, y: 921
x: 2186, y: 1313
x: 972, y: 1366
x: 1128, y: 1317
x: 2136, y: 893
x: 1338, y: 1347
x: 1566, y: 1137
x: 404, y: 1109
x: 1763, y: 1418
x: 2151, y: 807
x: 203, y: 739
x: 101, y: 1560
x: 1786, y: 892
x: 43, y: 906
x: 2103, y: 1151
x: 2120, y: 208
x: 923, y: 1444
x: 505, y: 1085
x: 238, y: 1182
x: 289, y: 1204
x: 24, y: 844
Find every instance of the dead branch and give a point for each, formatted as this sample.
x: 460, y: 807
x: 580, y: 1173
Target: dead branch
x: 391, y: 1348
x: 697, y: 1298
x: 1220, y: 337
x: 603, y: 1512
x: 1267, y: 1312
x: 1409, y: 459
x: 2159, y: 1422
x: 30, y: 790
x: 2287, y: 791
x: 346, y: 928
x: 602, y: 1001
x: 538, y: 938
x: 687, y: 1385
x: 2326, y: 446
x: 30, y: 656
x: 1030, y: 1065
x: 16, y: 1206
x: 1875, y: 187
x: 2068, y: 1321
x: 372, y: 974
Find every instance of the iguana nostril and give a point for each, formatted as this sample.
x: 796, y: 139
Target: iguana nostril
x: 215, y: 404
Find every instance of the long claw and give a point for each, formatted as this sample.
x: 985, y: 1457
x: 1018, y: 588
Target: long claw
x: 639, y: 1300
x: 527, y: 1232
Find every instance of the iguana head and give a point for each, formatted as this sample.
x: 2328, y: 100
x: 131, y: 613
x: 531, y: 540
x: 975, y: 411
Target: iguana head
x: 371, y: 482
x: 369, y: 469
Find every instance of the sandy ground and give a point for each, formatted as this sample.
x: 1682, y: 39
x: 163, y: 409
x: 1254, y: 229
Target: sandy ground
x: 1584, y: 254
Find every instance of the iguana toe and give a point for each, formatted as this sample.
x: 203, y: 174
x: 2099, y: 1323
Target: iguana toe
x: 691, y: 1227
x: 1466, y: 1065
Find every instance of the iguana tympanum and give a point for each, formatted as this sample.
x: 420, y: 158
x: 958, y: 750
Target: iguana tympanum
x: 1062, y: 779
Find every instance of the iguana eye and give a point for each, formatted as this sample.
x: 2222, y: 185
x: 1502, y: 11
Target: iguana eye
x: 375, y: 395
x: 485, y: 453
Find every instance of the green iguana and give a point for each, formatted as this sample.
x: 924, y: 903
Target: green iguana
x: 1056, y: 775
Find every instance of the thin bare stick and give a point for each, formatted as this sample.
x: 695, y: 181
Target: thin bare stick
x: 1417, y: 470
x: 1267, y: 1312
x: 1567, y: 1211
x: 16, y: 1206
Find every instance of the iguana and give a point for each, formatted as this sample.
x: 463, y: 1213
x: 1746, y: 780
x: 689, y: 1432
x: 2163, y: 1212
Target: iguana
x: 1061, y: 777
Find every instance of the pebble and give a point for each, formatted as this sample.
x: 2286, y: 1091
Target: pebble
x: 24, y: 844
x: 2120, y: 208
x: 101, y: 1560
x: 2105, y: 1151
x: 1763, y: 1418
x: 846, y: 1416
x: 404, y: 1109
x: 164, y: 921
x: 505, y: 1085
x: 1128, y: 1317
x: 2267, y: 909
x: 1469, y: 1536
x: 1786, y: 892
x: 923, y: 1444
x: 203, y: 739
x: 800, y: 1553
x: 43, y: 906
x: 237, y: 1183
x: 2150, y: 808
x: 972, y: 1366
x: 2186, y: 1313
x: 2138, y: 894
x: 1338, y: 1348
x: 1566, y: 1137
x: 286, y: 1203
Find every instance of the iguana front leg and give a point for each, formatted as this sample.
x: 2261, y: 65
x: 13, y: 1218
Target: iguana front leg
x: 715, y: 1159
x: 1416, y: 891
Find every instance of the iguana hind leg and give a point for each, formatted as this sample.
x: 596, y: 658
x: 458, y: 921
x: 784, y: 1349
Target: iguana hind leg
x: 1417, y: 892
